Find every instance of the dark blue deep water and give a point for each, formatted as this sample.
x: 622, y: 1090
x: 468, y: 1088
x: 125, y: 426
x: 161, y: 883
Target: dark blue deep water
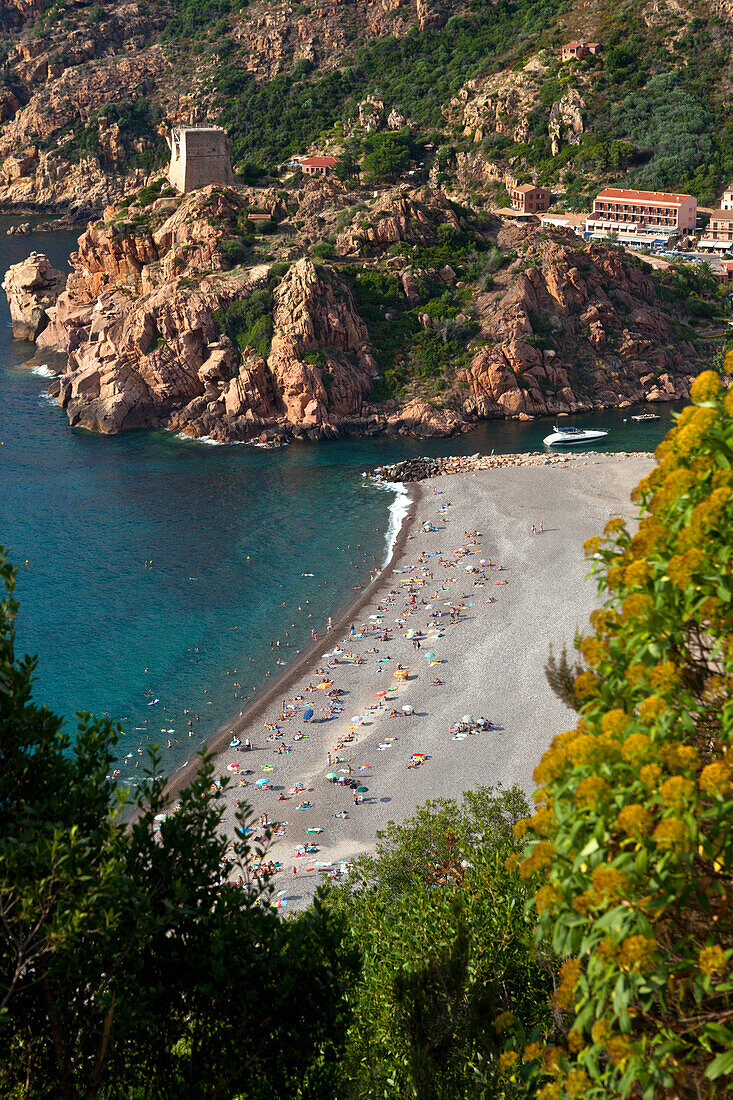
x: 156, y: 568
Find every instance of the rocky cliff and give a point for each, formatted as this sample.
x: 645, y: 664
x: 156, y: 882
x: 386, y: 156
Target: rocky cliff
x: 32, y: 288
x: 172, y: 318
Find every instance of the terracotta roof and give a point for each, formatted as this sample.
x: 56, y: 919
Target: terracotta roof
x: 570, y: 217
x: 319, y: 162
x: 722, y: 215
x: 574, y: 45
x: 526, y: 188
x: 652, y: 197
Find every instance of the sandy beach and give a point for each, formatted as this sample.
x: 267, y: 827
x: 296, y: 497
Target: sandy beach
x: 488, y: 628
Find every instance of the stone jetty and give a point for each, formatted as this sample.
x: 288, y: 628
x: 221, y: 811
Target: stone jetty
x: 418, y: 469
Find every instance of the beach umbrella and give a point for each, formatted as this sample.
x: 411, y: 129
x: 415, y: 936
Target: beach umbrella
x: 331, y: 775
x: 262, y: 782
x: 467, y: 718
x: 235, y: 743
x: 380, y: 695
x: 233, y: 767
x: 430, y: 656
x: 307, y: 714
x: 408, y: 708
x: 362, y: 790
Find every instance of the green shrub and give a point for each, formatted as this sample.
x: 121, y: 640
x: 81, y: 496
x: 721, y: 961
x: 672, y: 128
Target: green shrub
x: 633, y: 833
x: 323, y: 250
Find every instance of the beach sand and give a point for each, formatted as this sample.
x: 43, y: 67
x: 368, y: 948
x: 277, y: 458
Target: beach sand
x: 490, y: 661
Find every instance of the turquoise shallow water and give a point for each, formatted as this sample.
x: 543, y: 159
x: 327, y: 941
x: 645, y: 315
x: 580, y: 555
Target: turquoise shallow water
x: 233, y: 534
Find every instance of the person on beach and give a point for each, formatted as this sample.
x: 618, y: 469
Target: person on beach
x: 534, y: 529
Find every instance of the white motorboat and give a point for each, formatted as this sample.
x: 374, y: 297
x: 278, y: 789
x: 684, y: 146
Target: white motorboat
x: 645, y: 416
x: 570, y: 437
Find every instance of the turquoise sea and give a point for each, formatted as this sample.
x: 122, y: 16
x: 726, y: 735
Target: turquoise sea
x: 153, y: 568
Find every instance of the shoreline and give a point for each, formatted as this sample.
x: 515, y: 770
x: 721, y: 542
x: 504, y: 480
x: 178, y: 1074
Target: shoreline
x: 218, y: 742
x: 518, y: 527
x: 430, y: 469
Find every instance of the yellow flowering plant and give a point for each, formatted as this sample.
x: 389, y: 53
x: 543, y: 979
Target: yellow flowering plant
x: 636, y: 856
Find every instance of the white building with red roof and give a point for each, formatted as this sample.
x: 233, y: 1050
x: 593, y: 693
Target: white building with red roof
x: 641, y: 217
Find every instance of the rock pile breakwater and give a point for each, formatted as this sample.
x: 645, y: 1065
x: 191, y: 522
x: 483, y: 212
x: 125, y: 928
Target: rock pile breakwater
x: 418, y: 469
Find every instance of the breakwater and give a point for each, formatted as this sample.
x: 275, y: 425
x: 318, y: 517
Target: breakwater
x: 420, y: 468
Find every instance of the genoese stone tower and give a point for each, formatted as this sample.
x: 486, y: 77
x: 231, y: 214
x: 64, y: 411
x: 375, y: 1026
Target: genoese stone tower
x: 199, y: 156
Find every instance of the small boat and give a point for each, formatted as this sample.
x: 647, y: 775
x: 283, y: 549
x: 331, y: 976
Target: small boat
x: 646, y: 416
x: 568, y: 437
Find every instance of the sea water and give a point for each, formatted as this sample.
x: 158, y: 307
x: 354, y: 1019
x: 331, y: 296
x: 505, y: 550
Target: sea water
x: 157, y: 574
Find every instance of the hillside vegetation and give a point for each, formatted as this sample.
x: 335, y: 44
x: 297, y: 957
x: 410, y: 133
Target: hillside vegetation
x: 477, y: 87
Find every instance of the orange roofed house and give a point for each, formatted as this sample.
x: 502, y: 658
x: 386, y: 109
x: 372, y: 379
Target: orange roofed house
x: 641, y: 217
x: 528, y: 199
x: 318, y: 166
x: 578, y: 50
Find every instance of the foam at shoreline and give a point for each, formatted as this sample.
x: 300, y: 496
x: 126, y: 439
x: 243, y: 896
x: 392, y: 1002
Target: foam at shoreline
x: 398, y: 510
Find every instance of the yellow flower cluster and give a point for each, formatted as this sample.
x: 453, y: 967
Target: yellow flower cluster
x: 672, y: 835
x: 715, y: 779
x: 594, y: 650
x: 638, y: 573
x: 705, y: 515
x: 672, y: 487
x: 606, y: 951
x: 664, y: 676
x: 547, y: 899
x: 687, y: 437
x: 585, y: 684
x: 569, y: 974
x: 712, y: 960
x: 600, y: 1032
x: 681, y: 757
x: 590, y: 791
x: 540, y: 856
x: 614, y: 527
x: 638, y: 605
x: 650, y: 533
x: 609, y: 884
x: 634, y: 820
x: 508, y: 1060
x: 682, y: 567
x: 619, y: 1050
x: 576, y: 1040
x: 614, y: 722
x: 676, y: 791
x: 532, y: 1052
x: 650, y: 775
x: 706, y: 387
x: 504, y: 1021
x: 637, y: 953
x: 577, y: 1083
x: 652, y: 708
x: 636, y: 747
x: 543, y: 820
x: 551, y: 1091
x: 551, y: 1060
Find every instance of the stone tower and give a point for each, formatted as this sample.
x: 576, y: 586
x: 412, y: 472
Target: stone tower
x: 199, y: 156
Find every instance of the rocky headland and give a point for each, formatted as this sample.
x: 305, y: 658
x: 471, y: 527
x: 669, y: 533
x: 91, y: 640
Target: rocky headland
x: 346, y: 318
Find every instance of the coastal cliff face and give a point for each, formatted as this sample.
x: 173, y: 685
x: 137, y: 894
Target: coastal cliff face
x: 175, y: 316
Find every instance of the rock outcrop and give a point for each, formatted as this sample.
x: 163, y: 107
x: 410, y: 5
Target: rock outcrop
x: 412, y: 217
x: 161, y: 331
x: 574, y: 329
x: 32, y: 288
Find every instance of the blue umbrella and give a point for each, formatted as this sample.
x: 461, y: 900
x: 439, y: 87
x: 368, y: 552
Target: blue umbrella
x: 262, y: 782
x: 307, y: 714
